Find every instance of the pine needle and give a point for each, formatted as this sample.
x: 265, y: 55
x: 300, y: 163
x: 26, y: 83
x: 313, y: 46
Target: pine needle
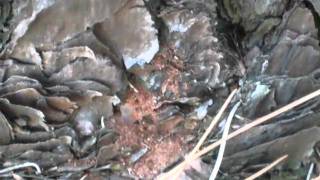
x: 217, y: 165
x: 176, y: 170
x: 260, y: 121
x: 20, y: 166
x: 267, y: 168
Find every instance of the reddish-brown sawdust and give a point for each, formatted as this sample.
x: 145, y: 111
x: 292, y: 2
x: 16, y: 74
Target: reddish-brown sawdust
x: 143, y: 130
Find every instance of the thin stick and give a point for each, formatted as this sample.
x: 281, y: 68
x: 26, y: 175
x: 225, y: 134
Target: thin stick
x: 27, y: 164
x: 260, y: 121
x: 217, y: 165
x: 213, y: 122
x: 267, y: 168
x: 172, y: 174
x: 84, y: 177
x: 245, y: 128
x: 132, y: 87
x: 102, y: 122
x: 310, y: 171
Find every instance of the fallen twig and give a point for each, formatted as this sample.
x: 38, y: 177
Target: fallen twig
x: 132, y: 87
x: 27, y: 164
x: 267, y: 168
x: 261, y: 120
x: 245, y: 128
x: 84, y: 177
x: 310, y: 171
x: 223, y: 145
x: 213, y: 123
x: 175, y: 171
